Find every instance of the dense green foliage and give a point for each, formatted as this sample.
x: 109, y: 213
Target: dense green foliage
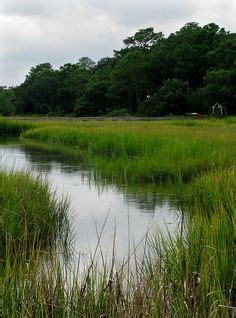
x: 7, y: 101
x: 188, y: 71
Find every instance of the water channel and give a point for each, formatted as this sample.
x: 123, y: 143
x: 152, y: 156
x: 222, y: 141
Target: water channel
x: 131, y: 213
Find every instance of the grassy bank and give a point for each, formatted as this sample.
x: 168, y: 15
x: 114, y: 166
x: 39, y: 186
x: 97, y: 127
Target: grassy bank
x: 148, y: 152
x: 31, y: 217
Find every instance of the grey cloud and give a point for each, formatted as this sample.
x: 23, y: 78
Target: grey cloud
x: 60, y: 31
x: 129, y: 12
x: 33, y: 7
x: 133, y: 13
x: 25, y: 8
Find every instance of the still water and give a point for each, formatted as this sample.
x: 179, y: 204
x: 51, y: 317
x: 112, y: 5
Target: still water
x: 131, y: 213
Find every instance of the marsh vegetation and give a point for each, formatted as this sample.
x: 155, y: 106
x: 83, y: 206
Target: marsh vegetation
x: 189, y: 274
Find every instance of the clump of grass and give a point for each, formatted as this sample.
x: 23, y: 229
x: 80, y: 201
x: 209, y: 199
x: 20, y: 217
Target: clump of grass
x: 194, y: 272
x: 13, y: 128
x: 30, y: 215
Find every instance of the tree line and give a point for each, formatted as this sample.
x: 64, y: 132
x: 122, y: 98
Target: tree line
x: 152, y: 75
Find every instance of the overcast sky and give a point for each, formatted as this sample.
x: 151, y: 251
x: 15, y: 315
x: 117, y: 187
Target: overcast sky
x: 61, y: 31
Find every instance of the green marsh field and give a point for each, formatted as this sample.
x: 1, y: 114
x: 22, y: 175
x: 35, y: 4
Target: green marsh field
x: 189, y: 274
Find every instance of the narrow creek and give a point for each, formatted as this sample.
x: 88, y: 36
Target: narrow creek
x: 131, y: 213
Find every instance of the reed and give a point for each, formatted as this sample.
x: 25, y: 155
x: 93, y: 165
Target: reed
x: 189, y: 275
x: 195, y: 271
x: 13, y: 128
x: 30, y: 215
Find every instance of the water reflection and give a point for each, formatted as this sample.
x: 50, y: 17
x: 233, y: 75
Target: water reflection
x: 144, y: 206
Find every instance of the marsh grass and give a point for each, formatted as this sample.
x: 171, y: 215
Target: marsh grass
x: 31, y: 216
x: 13, y: 128
x: 147, y: 152
x: 187, y: 275
x: 197, y: 267
x: 190, y: 275
x: 90, y: 168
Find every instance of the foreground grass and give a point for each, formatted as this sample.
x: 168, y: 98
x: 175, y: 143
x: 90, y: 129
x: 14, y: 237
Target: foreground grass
x: 197, y: 267
x: 190, y: 275
x: 30, y: 215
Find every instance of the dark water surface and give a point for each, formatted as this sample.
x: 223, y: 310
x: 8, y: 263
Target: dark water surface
x: 132, y: 212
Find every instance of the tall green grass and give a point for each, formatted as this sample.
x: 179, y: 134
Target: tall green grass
x: 30, y: 215
x: 190, y: 275
x: 195, y: 271
x: 13, y: 128
x: 147, y: 152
